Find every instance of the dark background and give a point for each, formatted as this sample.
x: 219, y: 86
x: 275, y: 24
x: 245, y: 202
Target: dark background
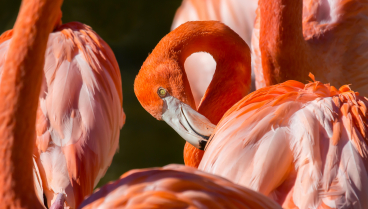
x: 132, y: 28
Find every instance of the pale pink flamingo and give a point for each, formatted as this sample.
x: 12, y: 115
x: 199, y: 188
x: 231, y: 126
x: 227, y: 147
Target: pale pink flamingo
x: 175, y: 186
x: 304, y: 146
x: 79, y: 115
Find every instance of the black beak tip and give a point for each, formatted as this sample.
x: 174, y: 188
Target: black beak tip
x: 202, y: 144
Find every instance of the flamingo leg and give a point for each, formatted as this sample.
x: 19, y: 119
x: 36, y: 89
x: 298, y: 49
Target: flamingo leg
x: 59, y: 202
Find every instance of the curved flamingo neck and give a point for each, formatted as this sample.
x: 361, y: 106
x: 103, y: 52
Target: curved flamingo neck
x: 231, y: 80
x: 19, y: 90
x: 282, y: 45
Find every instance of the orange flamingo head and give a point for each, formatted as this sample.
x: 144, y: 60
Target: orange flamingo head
x: 163, y: 90
x: 160, y: 78
x: 162, y: 87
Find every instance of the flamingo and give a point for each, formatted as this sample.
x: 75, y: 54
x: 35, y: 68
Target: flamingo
x: 239, y: 15
x: 302, y: 145
x: 292, y: 38
x: 175, y: 186
x: 20, y: 86
x: 221, y: 92
x: 305, y: 145
x: 79, y: 115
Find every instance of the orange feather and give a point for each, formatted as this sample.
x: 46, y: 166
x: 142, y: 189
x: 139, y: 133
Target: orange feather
x: 175, y: 186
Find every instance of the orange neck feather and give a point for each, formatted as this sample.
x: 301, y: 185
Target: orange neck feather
x: 20, y: 86
x: 231, y: 80
x: 165, y: 66
x: 282, y: 45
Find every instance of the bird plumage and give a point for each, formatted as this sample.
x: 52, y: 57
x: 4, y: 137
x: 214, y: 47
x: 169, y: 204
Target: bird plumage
x: 239, y: 15
x: 175, y: 186
x: 79, y: 114
x: 302, y: 145
x: 233, y: 64
x: 333, y: 37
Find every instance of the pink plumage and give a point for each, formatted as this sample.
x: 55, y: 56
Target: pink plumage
x: 334, y: 33
x: 80, y: 112
x: 175, y: 186
x: 305, y: 146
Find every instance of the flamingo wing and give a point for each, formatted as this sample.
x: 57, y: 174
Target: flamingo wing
x: 80, y: 111
x: 301, y: 145
x: 78, y: 132
x: 175, y: 186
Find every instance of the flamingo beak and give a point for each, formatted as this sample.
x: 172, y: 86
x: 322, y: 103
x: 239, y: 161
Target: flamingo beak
x: 188, y: 123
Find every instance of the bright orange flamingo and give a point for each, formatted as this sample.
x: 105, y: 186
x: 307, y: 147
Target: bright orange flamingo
x: 239, y: 15
x: 19, y: 89
x: 175, y: 186
x: 80, y: 112
x: 305, y: 146
x: 202, y: 36
x: 292, y: 38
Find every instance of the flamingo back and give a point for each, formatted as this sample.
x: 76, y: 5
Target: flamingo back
x: 175, y: 186
x: 80, y: 111
x: 305, y: 146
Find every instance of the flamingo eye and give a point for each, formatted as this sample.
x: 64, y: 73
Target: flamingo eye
x: 161, y: 92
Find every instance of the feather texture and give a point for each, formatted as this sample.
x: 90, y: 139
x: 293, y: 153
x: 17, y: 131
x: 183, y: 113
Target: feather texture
x: 175, y: 186
x: 302, y: 145
x: 80, y: 111
x: 335, y: 34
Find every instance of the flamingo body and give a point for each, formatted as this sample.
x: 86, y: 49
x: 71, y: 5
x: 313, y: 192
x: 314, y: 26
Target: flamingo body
x: 79, y: 114
x: 333, y: 40
x: 175, y: 186
x: 305, y: 146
